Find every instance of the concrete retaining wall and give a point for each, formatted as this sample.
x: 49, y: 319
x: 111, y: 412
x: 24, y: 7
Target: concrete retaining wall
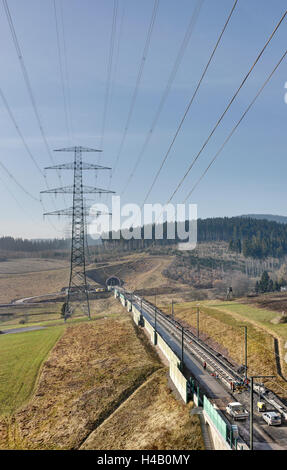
x: 179, y: 380
x: 136, y: 315
x: 122, y: 300
x: 218, y: 441
x: 174, y: 363
x: 167, y: 351
x: 150, y: 330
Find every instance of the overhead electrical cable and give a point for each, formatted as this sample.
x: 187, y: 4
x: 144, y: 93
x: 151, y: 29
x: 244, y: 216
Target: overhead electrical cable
x: 18, y: 183
x: 23, y: 209
x: 236, y: 126
x: 190, y: 102
x: 117, y: 53
x: 11, y: 115
x: 26, y: 191
x: 138, y: 80
x: 108, y: 80
x: 61, y: 67
x: 229, y: 105
x: 66, y: 72
x: 28, y: 83
x: 23, y: 140
x: 109, y: 72
x: 165, y: 94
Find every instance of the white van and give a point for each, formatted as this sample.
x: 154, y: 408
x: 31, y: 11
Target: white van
x: 272, y: 418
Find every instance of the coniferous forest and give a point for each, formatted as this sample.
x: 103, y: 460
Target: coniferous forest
x: 256, y: 238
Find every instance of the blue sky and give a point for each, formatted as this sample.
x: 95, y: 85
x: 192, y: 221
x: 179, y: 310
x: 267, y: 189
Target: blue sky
x: 250, y: 174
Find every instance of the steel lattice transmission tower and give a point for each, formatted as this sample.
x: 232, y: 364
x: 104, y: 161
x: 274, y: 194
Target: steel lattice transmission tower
x: 78, y: 290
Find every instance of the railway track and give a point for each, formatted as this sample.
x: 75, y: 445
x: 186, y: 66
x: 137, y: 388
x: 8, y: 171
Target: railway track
x: 195, y: 346
x: 203, y: 353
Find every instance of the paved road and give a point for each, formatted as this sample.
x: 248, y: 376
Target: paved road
x: 22, y: 330
x: 265, y: 437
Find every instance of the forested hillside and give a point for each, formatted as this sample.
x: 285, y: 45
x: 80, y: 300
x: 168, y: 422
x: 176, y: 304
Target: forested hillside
x: 20, y: 244
x: 254, y: 238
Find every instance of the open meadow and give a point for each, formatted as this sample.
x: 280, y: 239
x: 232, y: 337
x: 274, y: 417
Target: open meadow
x: 22, y: 278
x: 79, y: 375
x: 221, y: 325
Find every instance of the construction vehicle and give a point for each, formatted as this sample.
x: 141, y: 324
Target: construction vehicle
x: 237, y: 411
x: 261, y: 406
x: 240, y: 386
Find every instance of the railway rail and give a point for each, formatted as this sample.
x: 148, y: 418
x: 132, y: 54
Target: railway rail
x: 204, y: 353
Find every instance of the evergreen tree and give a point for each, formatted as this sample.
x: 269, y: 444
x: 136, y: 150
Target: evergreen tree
x: 270, y: 286
x: 264, y: 282
x: 63, y: 309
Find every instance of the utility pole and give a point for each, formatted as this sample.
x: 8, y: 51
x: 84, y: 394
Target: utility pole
x: 172, y: 309
x: 182, y: 347
x: 197, y: 320
x: 251, y: 404
x: 245, y: 349
x: 78, y: 286
x: 155, y: 325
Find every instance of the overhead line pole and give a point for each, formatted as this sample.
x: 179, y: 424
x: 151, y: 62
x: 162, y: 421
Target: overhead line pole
x: 78, y: 286
x: 251, y: 404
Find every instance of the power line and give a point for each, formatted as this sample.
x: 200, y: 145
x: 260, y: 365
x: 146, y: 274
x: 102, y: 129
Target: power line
x: 117, y: 51
x: 138, y: 80
x: 108, y: 79
x: 27, y: 79
x: 66, y: 70
x: 23, y: 140
x: 22, y: 207
x: 61, y: 67
x: 170, y: 81
x: 26, y: 76
x: 246, y: 111
x: 11, y: 115
x: 109, y: 71
x: 15, y: 199
x: 228, y: 106
x: 190, y: 102
x: 236, y: 126
x: 17, y: 182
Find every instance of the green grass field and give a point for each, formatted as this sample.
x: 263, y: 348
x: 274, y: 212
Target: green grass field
x: 222, y: 322
x: 21, y: 356
x: 261, y: 316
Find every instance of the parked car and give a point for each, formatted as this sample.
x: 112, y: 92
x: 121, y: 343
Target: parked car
x: 272, y: 418
x: 237, y: 410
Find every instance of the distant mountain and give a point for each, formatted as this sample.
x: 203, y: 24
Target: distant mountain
x: 273, y: 218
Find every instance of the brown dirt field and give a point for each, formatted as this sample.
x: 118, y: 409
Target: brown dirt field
x: 274, y: 301
x: 90, y: 371
x: 144, y: 423
x: 29, y: 265
x: 17, y: 286
x: 137, y: 271
x: 100, y: 372
x: 223, y: 332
